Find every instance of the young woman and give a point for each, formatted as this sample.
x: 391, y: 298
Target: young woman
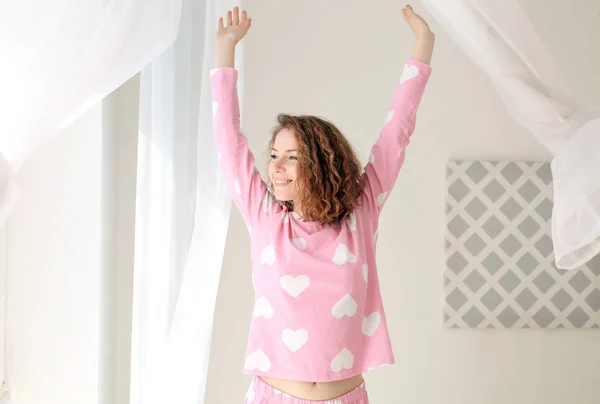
x: 318, y: 321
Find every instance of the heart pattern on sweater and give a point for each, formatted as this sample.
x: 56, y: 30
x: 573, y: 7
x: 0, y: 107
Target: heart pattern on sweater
x: 346, y: 306
x: 294, y: 340
x: 268, y: 255
x: 343, y: 255
x: 262, y: 308
x: 257, y: 360
x: 389, y: 117
x: 409, y: 72
x: 294, y: 286
x: 343, y: 360
x: 299, y: 243
x: 370, y: 324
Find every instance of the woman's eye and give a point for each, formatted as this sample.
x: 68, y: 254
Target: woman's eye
x: 272, y: 156
x: 293, y: 158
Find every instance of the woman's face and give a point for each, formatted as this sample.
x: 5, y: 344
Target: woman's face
x: 283, y: 164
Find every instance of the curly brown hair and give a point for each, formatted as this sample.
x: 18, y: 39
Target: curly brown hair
x: 329, y: 179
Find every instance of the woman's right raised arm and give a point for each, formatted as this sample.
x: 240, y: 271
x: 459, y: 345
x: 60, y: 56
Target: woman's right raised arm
x: 248, y: 190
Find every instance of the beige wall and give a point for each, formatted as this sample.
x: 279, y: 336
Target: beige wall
x: 56, y: 279
x: 342, y: 60
x: 69, y: 252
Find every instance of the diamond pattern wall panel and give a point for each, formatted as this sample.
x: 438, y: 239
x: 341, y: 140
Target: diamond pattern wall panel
x: 500, y: 270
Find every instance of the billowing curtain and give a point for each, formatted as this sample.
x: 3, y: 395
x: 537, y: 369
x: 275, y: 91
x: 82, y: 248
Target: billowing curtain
x: 499, y: 38
x: 182, y: 216
x: 59, y: 58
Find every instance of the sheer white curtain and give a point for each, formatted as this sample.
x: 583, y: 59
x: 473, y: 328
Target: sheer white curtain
x: 59, y: 58
x: 182, y: 216
x: 499, y: 37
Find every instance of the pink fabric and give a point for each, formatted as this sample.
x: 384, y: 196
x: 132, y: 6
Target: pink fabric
x: 260, y: 392
x: 318, y: 314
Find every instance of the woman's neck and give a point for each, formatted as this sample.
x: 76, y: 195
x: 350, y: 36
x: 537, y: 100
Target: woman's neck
x: 298, y: 210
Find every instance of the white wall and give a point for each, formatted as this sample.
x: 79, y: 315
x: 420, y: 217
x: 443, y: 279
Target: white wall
x: 70, y: 261
x: 127, y: 110
x: 342, y: 61
x: 4, y: 332
x: 55, y: 269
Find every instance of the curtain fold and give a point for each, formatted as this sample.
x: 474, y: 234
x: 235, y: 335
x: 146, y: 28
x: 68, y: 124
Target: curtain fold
x: 182, y: 216
x: 499, y: 38
x: 60, y: 58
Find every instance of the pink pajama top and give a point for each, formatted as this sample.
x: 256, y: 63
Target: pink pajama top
x: 318, y: 314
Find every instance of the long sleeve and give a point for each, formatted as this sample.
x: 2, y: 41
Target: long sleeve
x: 248, y: 190
x: 387, y: 154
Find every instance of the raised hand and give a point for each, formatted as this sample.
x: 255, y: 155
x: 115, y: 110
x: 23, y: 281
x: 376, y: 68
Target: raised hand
x: 424, y: 38
x: 416, y: 23
x: 237, y: 26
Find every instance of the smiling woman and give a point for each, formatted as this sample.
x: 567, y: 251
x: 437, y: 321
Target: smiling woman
x: 319, y: 171
x: 318, y: 320
x: 283, y: 165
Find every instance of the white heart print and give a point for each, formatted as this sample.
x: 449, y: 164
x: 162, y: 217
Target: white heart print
x: 343, y: 360
x: 262, y: 308
x: 215, y: 107
x: 409, y: 72
x: 268, y: 255
x: 250, y: 395
x: 346, y: 306
x: 299, y: 243
x: 236, y: 187
x: 370, y: 324
x: 294, y: 340
x: 365, y: 271
x: 343, y: 255
x: 351, y: 221
x: 389, y: 117
x: 381, y: 199
x: 294, y: 286
x: 371, y: 158
x: 257, y: 360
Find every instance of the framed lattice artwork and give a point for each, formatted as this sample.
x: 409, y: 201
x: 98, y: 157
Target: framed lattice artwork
x: 500, y: 270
